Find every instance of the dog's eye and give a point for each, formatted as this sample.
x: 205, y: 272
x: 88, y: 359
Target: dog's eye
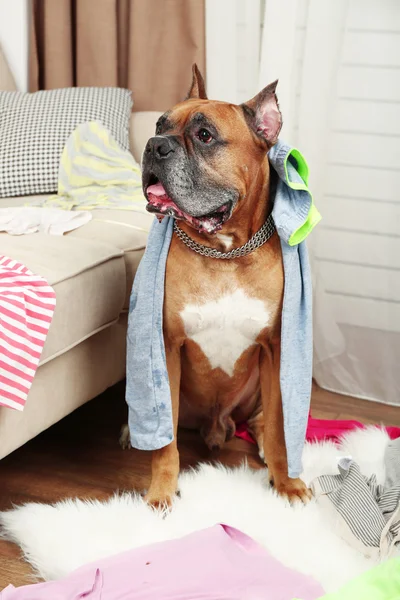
x: 204, y: 136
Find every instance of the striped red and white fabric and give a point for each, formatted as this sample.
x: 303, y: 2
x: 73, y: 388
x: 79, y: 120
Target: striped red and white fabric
x: 27, y: 304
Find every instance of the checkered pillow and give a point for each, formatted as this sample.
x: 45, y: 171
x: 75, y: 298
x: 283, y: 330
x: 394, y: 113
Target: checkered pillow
x: 35, y: 127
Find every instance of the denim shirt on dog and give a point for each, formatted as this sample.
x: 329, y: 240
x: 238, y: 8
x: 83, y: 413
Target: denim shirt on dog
x: 147, y: 386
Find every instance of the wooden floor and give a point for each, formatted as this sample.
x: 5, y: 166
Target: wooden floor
x: 80, y: 456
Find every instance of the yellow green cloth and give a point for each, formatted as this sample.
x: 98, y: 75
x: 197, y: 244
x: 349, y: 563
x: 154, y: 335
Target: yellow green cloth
x: 301, y: 183
x: 95, y: 172
x: 380, y: 583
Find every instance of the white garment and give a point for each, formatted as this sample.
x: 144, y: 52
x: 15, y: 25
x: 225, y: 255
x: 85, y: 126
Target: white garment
x: 28, y: 219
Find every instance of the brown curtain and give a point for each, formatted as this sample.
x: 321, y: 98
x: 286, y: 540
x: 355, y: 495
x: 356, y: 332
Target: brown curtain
x: 147, y: 46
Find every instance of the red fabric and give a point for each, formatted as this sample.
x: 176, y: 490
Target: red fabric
x: 323, y: 429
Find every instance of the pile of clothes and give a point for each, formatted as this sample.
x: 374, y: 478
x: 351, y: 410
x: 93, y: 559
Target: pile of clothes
x: 367, y: 515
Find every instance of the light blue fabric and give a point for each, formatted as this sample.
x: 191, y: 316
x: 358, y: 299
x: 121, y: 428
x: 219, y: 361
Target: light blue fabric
x: 147, y: 387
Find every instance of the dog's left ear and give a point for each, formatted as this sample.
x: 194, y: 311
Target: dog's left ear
x: 198, y: 88
x: 263, y: 115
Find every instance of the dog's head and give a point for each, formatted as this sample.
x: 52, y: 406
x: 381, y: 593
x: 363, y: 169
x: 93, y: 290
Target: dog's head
x: 206, y: 154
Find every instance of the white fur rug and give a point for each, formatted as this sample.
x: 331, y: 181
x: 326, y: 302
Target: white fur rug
x: 57, y: 539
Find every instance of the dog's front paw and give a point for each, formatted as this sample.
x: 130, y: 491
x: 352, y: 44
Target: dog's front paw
x: 125, y: 438
x: 163, y: 503
x: 293, y: 489
x: 161, y: 496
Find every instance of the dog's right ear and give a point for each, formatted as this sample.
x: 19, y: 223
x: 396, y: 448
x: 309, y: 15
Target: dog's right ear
x: 198, y: 88
x: 263, y: 115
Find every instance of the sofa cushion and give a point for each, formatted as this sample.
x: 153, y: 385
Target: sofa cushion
x: 35, y: 127
x: 126, y: 230
x: 88, y: 277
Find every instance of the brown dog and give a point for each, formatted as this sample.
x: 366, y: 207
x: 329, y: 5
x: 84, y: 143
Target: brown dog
x: 207, y: 166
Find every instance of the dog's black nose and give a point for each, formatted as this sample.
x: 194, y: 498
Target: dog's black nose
x: 160, y: 146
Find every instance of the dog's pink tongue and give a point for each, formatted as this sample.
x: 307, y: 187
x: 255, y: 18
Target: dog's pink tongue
x: 157, y: 190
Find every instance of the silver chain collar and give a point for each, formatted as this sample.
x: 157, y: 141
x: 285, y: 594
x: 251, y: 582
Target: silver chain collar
x: 260, y: 238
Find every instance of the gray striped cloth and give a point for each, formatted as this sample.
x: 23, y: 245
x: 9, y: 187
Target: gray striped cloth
x: 366, y: 514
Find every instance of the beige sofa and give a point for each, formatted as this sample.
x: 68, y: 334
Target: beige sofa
x: 91, y: 270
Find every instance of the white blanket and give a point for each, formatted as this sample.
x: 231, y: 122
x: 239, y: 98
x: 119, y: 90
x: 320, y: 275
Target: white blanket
x: 57, y: 539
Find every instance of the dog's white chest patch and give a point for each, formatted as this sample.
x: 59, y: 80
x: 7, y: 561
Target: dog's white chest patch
x: 227, y: 240
x: 226, y: 327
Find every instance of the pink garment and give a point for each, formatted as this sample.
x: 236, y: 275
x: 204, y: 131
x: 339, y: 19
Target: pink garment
x: 323, y: 429
x: 219, y: 563
x: 334, y: 429
x: 27, y: 304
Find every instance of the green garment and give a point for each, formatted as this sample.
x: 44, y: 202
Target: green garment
x: 380, y: 583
